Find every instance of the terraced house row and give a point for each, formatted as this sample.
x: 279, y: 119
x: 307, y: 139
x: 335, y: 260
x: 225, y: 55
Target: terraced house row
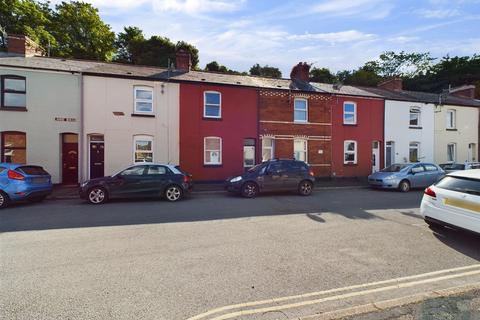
x: 84, y: 119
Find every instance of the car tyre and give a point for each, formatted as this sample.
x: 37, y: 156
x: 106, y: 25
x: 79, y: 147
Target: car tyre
x: 250, y: 190
x: 173, y: 193
x: 3, y: 200
x: 305, y: 188
x: 97, y: 195
x: 404, y: 186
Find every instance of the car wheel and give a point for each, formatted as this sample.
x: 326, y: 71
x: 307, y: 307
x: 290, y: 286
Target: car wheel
x: 250, y: 190
x: 404, y: 186
x: 3, y: 200
x: 97, y: 195
x: 173, y: 193
x: 305, y: 188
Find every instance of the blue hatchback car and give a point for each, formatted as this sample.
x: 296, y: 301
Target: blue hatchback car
x: 404, y: 176
x: 20, y: 182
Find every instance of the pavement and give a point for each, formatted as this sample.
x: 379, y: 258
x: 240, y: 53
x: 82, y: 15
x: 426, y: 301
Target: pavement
x: 62, y: 192
x: 210, y: 256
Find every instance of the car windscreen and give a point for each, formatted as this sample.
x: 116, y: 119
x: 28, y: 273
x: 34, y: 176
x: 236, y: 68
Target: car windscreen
x: 255, y: 168
x: 32, y: 170
x: 465, y: 185
x: 394, y: 168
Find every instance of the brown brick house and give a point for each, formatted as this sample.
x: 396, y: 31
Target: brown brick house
x: 297, y: 123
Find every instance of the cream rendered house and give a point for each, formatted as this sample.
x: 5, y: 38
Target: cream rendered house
x: 128, y: 121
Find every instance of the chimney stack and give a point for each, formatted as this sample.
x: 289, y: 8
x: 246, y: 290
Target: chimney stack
x: 394, y: 84
x: 183, y: 61
x: 466, y: 91
x: 19, y: 45
x: 301, y: 72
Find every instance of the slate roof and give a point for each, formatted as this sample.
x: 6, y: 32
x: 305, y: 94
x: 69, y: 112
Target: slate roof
x: 156, y: 73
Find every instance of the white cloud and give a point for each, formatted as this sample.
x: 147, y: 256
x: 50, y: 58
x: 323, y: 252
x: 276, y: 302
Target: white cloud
x: 334, y: 37
x: 375, y: 9
x: 438, y: 13
x: 198, y: 6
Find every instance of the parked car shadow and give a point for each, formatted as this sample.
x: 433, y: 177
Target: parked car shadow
x: 351, y: 204
x: 467, y: 243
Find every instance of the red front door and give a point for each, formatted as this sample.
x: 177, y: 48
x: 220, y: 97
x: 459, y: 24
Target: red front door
x: 69, y: 158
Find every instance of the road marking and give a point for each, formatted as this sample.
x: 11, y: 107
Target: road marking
x: 318, y: 293
x: 342, y: 296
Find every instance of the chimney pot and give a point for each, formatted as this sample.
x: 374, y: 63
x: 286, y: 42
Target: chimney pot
x: 20, y: 45
x: 466, y: 91
x: 394, y: 84
x: 301, y: 72
x: 183, y: 61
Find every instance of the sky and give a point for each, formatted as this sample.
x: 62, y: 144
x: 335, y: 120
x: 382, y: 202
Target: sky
x: 337, y: 34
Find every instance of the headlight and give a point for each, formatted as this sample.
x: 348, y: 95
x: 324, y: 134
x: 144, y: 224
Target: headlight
x: 236, y: 179
x: 389, y: 178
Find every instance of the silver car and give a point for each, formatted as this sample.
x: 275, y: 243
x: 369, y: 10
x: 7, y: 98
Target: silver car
x: 452, y: 166
x: 404, y: 176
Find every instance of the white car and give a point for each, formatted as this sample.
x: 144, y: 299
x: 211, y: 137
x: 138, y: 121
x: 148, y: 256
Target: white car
x: 454, y: 201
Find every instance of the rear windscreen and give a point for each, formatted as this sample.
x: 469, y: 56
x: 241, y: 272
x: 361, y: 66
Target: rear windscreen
x: 32, y: 170
x: 471, y: 186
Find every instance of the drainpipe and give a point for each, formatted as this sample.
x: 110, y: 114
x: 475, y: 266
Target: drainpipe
x: 81, y: 146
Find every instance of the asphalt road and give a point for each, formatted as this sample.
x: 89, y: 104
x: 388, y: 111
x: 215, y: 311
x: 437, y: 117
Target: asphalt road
x: 157, y: 260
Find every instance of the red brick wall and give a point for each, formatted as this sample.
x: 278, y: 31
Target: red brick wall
x: 276, y: 115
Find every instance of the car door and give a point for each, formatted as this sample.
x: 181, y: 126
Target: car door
x: 157, y: 177
x: 432, y: 173
x: 418, y: 176
x: 130, y: 182
x: 293, y: 174
x: 274, y: 177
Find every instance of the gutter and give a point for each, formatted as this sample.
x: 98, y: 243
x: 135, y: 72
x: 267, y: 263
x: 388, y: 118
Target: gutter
x: 81, y: 146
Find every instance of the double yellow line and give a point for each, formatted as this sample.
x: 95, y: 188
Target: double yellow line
x: 228, y: 312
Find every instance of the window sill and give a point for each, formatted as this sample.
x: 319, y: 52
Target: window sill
x: 350, y: 164
x: 19, y: 109
x: 212, y: 165
x: 212, y: 119
x: 452, y: 129
x: 143, y: 115
x: 350, y: 124
x: 413, y: 127
x: 300, y: 122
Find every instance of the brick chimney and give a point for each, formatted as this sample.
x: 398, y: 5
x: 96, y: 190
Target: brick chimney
x: 19, y: 45
x: 301, y: 72
x: 183, y: 61
x: 394, y: 84
x: 466, y: 91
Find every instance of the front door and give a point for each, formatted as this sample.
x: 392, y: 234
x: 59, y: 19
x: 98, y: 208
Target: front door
x: 69, y: 158
x: 389, y: 153
x: 130, y: 182
x: 375, y: 156
x: 97, y: 154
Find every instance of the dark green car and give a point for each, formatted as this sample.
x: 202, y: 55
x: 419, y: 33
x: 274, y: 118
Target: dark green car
x: 139, y: 181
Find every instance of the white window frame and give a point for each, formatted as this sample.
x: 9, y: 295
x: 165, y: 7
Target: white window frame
x: 345, y: 151
x: 454, y: 155
x: 135, y: 99
x: 451, y: 114
x: 416, y: 146
x: 301, y: 110
x: 138, y: 138
x: 212, y: 150
x: 304, y: 151
x: 270, y: 148
x: 349, y: 112
x: 418, y: 111
x: 210, y: 104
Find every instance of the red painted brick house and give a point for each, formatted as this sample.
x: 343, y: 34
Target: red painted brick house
x: 296, y: 123
x: 218, y: 130
x: 357, y: 138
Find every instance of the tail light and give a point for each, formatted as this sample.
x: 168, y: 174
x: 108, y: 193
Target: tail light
x: 311, y: 173
x: 14, y: 175
x: 430, y: 192
x: 186, y: 178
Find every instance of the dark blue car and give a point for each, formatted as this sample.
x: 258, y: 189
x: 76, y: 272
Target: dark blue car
x: 20, y: 182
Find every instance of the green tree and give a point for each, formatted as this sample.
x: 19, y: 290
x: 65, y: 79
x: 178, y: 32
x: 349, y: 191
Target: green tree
x: 81, y: 33
x: 322, y: 75
x: 265, y: 71
x: 126, y: 43
x: 406, y: 65
x: 28, y: 17
x: 214, y: 66
x: 449, y: 71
